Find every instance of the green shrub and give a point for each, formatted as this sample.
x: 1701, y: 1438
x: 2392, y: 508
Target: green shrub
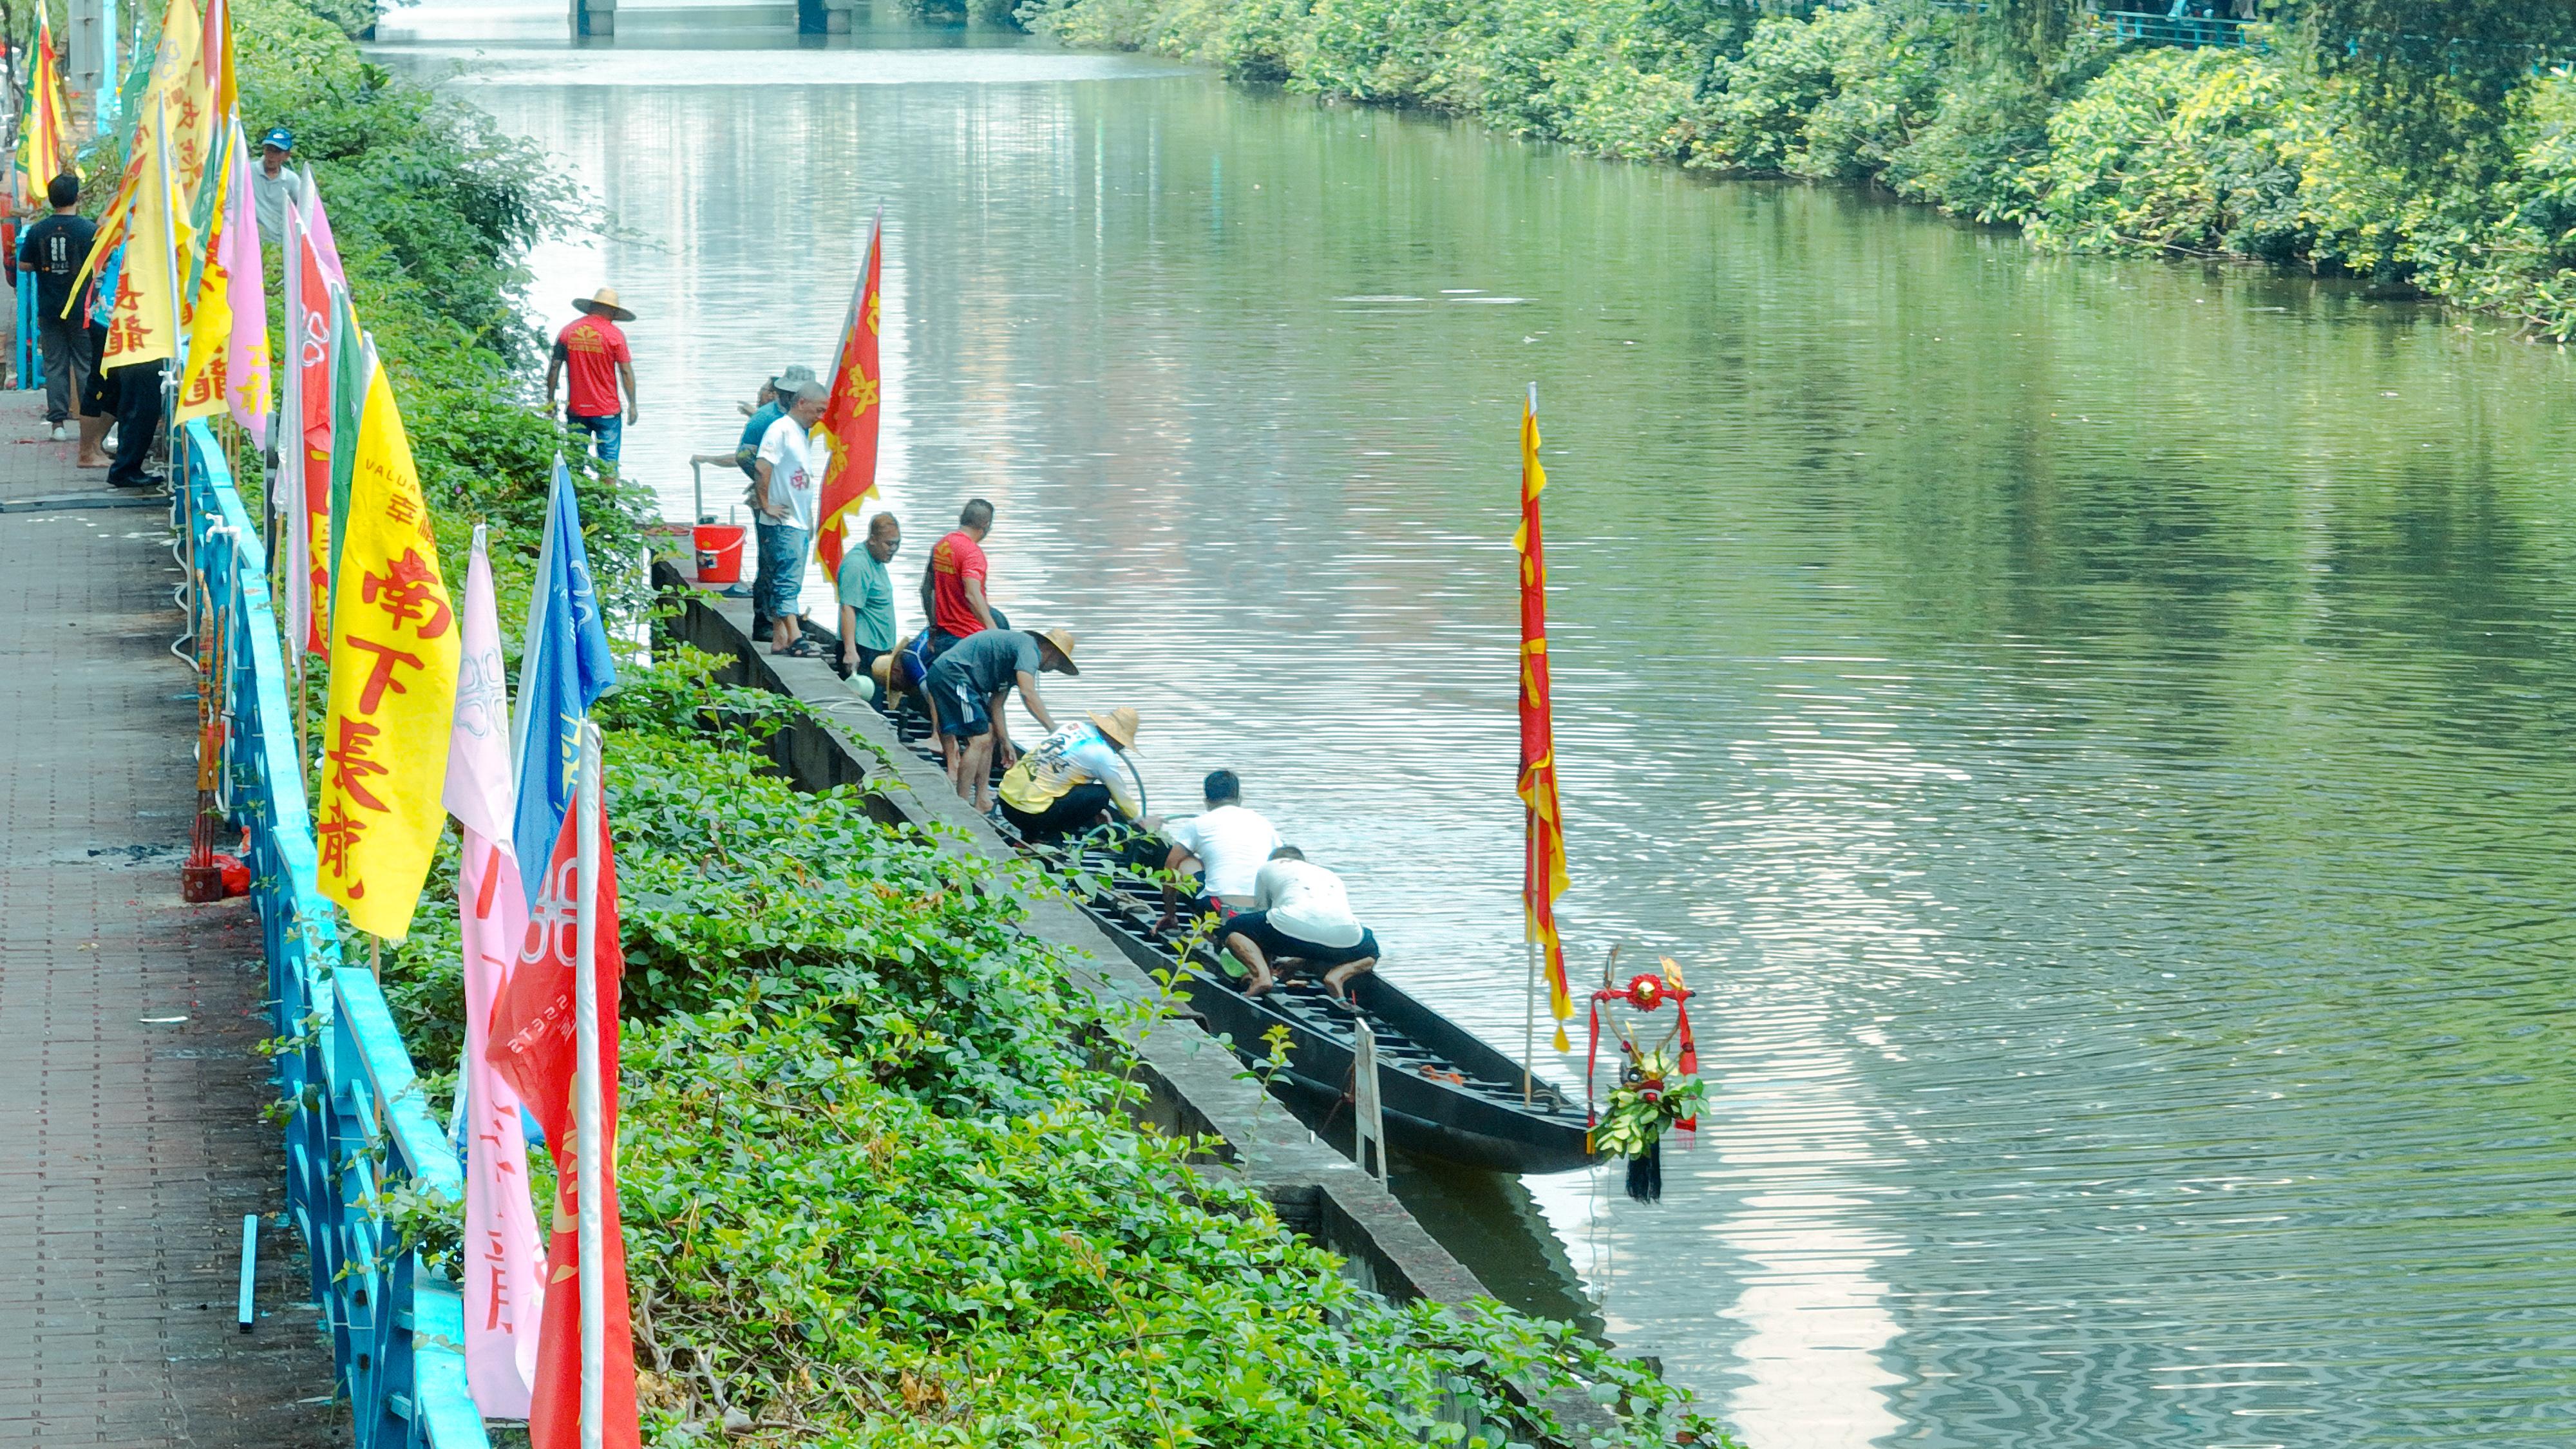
x: 2175, y: 150
x: 837, y: 1264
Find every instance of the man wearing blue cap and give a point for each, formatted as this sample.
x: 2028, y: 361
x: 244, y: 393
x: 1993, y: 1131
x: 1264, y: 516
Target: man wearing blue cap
x: 272, y: 184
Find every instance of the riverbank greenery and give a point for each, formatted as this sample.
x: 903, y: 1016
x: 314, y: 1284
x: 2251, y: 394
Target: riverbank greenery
x: 2428, y: 149
x: 879, y: 1185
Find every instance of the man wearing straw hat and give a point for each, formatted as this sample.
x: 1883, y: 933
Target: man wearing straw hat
x: 1068, y: 781
x: 595, y: 355
x: 967, y: 689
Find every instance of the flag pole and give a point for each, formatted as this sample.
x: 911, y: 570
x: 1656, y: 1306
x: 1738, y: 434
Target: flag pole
x: 586, y: 1099
x: 1529, y: 948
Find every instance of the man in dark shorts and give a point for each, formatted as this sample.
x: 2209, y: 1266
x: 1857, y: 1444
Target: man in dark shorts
x: 966, y: 686
x: 1300, y: 916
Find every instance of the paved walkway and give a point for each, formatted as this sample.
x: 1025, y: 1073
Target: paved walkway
x: 130, y: 1137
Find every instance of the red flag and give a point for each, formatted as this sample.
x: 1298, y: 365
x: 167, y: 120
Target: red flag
x: 1543, y: 873
x: 849, y: 423
x: 534, y: 1050
x: 309, y: 314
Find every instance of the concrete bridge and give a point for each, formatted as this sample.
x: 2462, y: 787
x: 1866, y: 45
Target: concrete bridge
x: 810, y: 17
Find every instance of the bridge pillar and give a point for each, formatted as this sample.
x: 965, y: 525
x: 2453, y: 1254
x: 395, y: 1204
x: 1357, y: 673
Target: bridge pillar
x: 594, y: 17
x: 823, y: 17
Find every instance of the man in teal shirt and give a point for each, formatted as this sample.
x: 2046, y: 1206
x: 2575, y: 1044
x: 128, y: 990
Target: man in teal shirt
x: 867, y: 602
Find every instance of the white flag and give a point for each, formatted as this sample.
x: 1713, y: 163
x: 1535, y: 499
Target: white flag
x: 504, y: 1273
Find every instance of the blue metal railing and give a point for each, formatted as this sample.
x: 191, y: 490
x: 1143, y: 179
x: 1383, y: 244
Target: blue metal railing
x: 359, y: 1126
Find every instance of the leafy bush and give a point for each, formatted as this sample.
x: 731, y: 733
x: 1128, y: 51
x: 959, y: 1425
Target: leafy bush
x: 833, y: 1263
x: 2175, y: 150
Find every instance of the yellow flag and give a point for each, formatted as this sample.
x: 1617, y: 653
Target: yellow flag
x: 143, y: 321
x: 205, y: 390
x: 393, y: 687
x: 170, y: 139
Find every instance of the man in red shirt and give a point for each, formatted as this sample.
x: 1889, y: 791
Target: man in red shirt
x: 952, y: 587
x: 594, y: 352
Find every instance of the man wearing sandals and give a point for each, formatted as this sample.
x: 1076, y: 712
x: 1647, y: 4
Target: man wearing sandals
x: 1300, y: 916
x: 787, y: 489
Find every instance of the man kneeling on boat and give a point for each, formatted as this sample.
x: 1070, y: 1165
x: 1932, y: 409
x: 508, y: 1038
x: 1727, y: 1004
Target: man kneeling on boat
x: 1224, y: 847
x: 1069, y: 781
x: 967, y: 687
x: 1300, y: 917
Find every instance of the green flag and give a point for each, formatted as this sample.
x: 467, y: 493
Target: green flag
x: 353, y: 364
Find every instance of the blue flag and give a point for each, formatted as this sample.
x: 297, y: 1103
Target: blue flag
x: 565, y: 665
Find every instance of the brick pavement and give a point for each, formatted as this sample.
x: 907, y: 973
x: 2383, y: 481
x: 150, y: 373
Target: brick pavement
x: 130, y: 1143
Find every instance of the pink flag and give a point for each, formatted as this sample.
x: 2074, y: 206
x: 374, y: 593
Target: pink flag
x: 504, y: 1276
x: 246, y: 370
x: 318, y: 226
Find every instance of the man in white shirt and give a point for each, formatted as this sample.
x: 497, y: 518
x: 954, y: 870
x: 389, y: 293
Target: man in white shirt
x: 1225, y: 847
x: 787, y: 488
x: 1300, y: 915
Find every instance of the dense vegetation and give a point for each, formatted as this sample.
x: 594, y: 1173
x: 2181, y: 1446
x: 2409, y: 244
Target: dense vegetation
x: 878, y: 1189
x: 2425, y: 147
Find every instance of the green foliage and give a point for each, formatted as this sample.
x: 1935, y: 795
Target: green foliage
x: 2175, y: 150
x: 1839, y: 96
x: 838, y: 1264
x: 2420, y: 146
x: 434, y: 209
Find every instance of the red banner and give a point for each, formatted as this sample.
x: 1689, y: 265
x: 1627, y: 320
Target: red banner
x: 1543, y: 868
x: 849, y: 423
x: 310, y: 355
x: 533, y: 1047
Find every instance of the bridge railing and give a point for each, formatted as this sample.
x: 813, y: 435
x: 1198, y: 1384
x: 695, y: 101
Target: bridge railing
x: 358, y: 1127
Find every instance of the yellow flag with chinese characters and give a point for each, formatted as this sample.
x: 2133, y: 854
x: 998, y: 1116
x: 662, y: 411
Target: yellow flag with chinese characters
x: 394, y: 649
x: 143, y: 320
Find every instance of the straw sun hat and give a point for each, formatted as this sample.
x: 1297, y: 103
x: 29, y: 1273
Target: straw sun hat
x: 603, y: 303
x: 1119, y: 724
x: 1062, y: 643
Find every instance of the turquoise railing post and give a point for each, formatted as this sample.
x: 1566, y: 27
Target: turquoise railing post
x: 358, y: 1125
x: 31, y: 358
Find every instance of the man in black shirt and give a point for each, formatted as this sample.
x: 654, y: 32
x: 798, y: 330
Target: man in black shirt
x: 52, y: 251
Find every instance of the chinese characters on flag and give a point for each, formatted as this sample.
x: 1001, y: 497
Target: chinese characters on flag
x: 848, y: 426
x: 394, y: 650
x: 534, y: 1046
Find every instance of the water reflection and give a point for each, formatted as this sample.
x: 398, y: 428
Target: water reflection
x: 2096, y: 732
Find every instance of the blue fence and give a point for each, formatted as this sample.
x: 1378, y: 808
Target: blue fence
x: 359, y: 1131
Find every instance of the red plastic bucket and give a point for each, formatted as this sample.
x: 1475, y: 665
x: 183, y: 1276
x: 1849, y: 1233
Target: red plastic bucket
x: 719, y: 552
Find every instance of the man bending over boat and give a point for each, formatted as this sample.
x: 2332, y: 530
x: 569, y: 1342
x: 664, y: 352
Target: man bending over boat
x: 1226, y: 847
x: 967, y: 687
x: 1070, y: 780
x: 1300, y: 916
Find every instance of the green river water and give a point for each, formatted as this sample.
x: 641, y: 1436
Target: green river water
x: 2096, y: 733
